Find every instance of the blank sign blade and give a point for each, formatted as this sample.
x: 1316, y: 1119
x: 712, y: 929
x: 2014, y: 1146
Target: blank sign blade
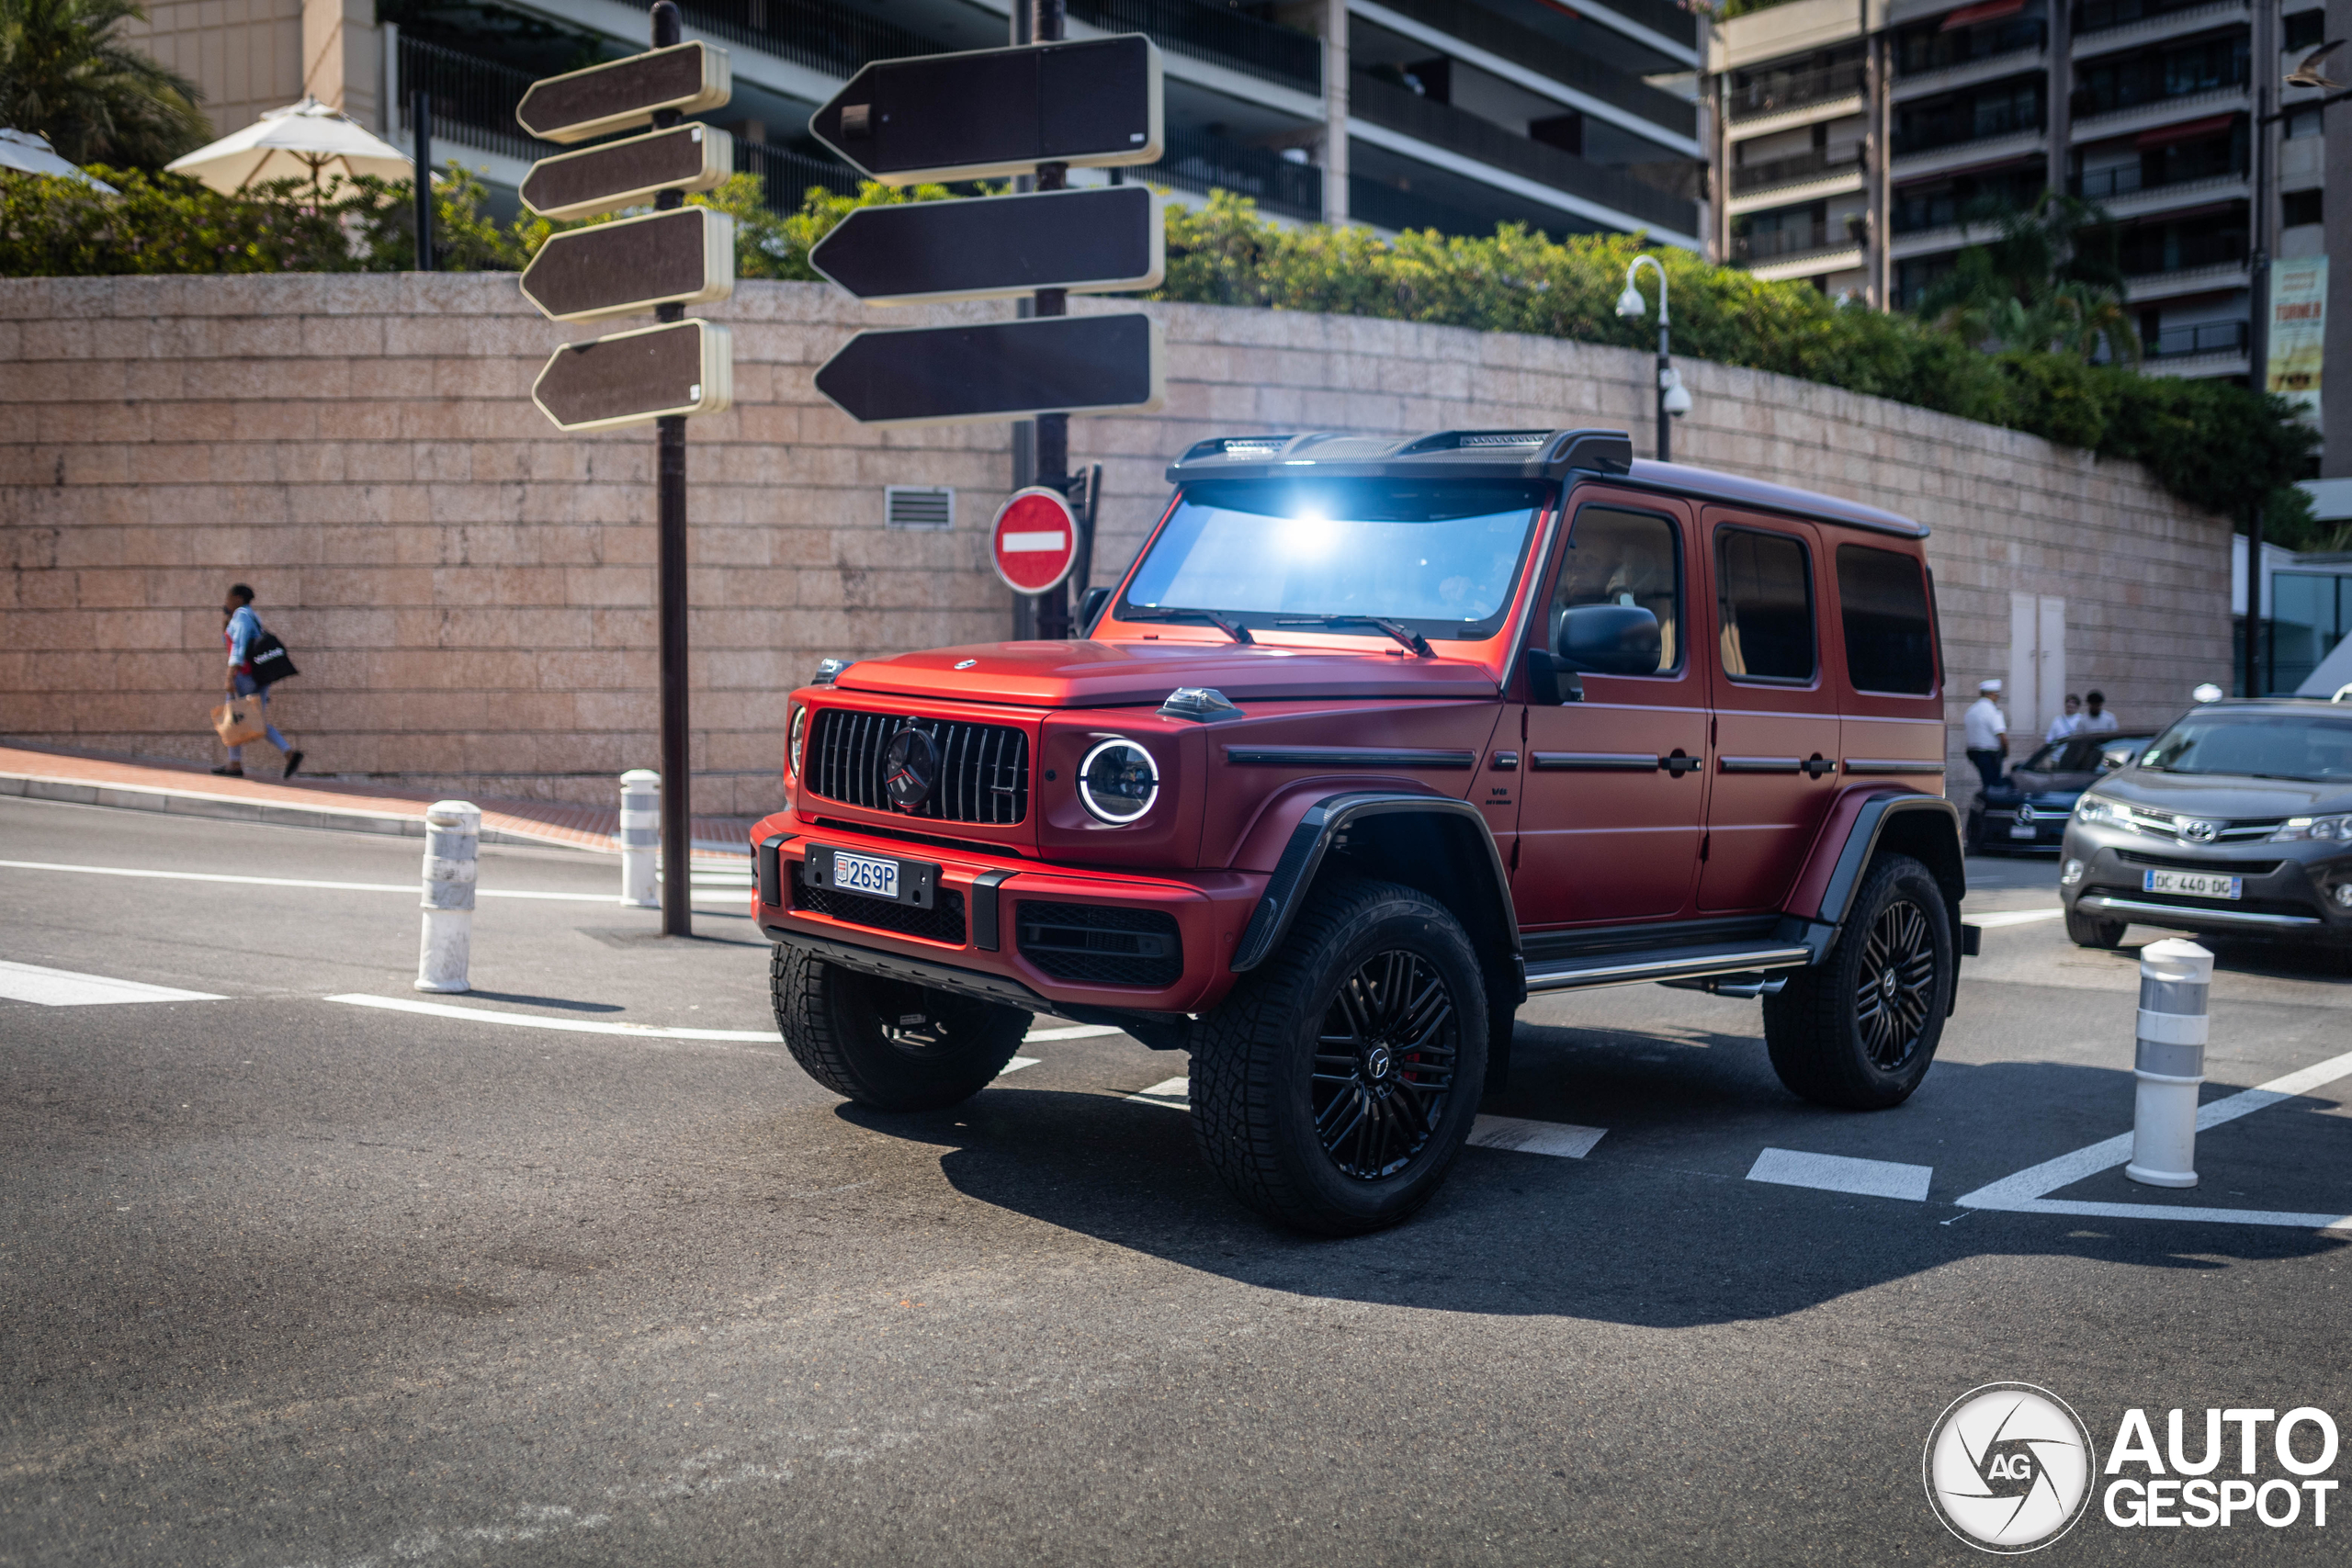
x: 628, y: 173
x: 1001, y: 370
x: 680, y: 367
x: 620, y: 94
x: 685, y: 256
x: 1094, y: 102
x: 1090, y: 241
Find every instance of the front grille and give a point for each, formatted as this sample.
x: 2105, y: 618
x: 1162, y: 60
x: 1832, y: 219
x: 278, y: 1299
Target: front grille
x: 2224, y: 867
x: 1102, y: 946
x: 943, y: 923
x: 2146, y: 820
x: 983, y: 768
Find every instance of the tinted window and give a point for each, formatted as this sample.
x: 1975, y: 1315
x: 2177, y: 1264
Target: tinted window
x: 1884, y: 600
x: 2265, y: 746
x: 1624, y: 557
x: 1764, y: 589
x: 1442, y: 558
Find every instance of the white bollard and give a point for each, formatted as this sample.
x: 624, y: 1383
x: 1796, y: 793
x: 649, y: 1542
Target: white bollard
x: 2175, y: 977
x: 640, y: 837
x: 452, y: 839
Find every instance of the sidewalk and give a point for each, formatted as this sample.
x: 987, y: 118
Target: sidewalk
x: 189, y: 789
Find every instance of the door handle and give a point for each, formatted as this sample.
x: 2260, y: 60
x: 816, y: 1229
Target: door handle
x: 1679, y: 763
x: 1817, y: 764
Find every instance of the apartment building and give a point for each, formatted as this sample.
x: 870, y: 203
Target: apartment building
x: 1858, y: 136
x: 1397, y: 113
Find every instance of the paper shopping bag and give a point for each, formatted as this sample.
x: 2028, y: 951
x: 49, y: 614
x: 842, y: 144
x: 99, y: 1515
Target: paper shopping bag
x: 239, y: 720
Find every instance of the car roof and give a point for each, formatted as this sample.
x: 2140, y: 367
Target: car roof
x: 2281, y: 703
x: 1510, y: 454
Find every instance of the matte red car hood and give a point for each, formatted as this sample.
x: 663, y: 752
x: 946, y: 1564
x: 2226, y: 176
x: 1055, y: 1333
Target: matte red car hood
x: 1117, y: 675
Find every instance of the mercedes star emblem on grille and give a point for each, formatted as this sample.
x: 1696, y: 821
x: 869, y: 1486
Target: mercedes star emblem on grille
x: 910, y: 763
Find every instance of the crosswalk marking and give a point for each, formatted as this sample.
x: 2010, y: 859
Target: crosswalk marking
x: 70, y: 988
x: 1015, y: 1064
x: 1075, y: 1031
x: 1564, y: 1139
x: 1840, y: 1173
x: 1174, y: 1093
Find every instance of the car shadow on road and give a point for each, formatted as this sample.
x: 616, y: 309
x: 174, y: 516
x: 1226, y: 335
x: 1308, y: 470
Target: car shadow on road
x: 1635, y: 1234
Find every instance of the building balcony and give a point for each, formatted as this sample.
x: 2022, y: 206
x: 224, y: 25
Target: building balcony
x: 2204, y: 339
x: 1806, y: 174
x: 1968, y: 74
x: 1214, y: 36
x: 1634, y: 202
x: 1673, y: 23
x: 834, y: 40
x: 1198, y: 161
x: 1521, y: 47
x: 1781, y: 92
x: 2125, y: 121
x: 2102, y: 27
x: 1807, y: 263
x: 473, y: 99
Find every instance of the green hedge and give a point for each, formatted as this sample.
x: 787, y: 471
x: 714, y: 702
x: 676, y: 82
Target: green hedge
x: 2219, y: 447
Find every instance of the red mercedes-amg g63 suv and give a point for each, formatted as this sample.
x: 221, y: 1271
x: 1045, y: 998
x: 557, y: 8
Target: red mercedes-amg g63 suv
x: 1375, y: 738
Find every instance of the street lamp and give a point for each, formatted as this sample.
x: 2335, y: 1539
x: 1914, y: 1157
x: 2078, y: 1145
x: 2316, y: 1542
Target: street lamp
x: 1673, y: 397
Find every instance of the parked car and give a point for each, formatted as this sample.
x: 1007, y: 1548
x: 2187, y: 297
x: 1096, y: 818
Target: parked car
x: 1375, y: 738
x: 2237, y: 820
x: 2028, y: 808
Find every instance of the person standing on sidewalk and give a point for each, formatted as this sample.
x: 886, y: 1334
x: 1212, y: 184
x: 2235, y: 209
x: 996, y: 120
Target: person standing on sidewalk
x: 2096, y: 720
x: 2067, y: 723
x: 241, y: 629
x: 1987, y: 732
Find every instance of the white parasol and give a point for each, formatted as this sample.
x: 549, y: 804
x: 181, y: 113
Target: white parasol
x: 31, y: 152
x: 305, y: 140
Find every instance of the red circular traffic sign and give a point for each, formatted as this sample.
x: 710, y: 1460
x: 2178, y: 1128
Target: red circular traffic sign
x: 1035, y: 542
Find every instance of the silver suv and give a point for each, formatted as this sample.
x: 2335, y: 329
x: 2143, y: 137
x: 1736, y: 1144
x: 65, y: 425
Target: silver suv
x: 2237, y: 820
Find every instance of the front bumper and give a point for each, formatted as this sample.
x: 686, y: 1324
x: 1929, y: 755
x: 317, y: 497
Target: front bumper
x: 1996, y: 824
x: 1013, y: 930
x: 2288, y: 889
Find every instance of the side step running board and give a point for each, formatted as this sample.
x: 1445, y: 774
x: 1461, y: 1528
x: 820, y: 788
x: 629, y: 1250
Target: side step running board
x: 1668, y: 964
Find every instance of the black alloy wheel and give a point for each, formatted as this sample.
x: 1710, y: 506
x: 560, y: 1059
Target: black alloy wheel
x: 1384, y: 1065
x: 889, y: 1045
x: 1895, y: 990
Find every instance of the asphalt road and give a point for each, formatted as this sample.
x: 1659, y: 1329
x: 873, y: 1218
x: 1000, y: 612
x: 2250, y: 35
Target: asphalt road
x: 291, y: 1280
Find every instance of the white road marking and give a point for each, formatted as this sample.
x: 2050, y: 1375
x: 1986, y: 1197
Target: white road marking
x: 2022, y: 1194
x: 1174, y: 1093
x: 1018, y: 1063
x: 1077, y: 1032
x: 1841, y: 1173
x: 562, y: 1025
x: 298, y: 881
x: 1564, y: 1139
x: 70, y: 988
x: 2010, y: 916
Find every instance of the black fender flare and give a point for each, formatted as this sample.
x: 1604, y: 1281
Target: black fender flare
x: 1321, y: 824
x: 1871, y: 829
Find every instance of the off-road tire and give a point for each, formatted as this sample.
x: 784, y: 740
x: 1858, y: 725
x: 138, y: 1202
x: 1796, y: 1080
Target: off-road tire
x: 839, y: 1025
x: 1254, y: 1073
x: 2084, y: 930
x: 1820, y: 1029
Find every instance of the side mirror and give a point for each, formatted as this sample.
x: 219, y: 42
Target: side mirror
x: 1090, y: 609
x: 1611, y: 639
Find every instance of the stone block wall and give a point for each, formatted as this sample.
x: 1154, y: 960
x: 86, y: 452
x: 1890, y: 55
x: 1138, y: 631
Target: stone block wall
x: 469, y: 594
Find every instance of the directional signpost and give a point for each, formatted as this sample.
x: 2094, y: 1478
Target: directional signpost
x: 1039, y: 107
x: 656, y: 263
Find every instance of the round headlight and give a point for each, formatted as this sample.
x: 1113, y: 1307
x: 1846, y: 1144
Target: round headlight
x: 800, y: 733
x: 1118, y: 781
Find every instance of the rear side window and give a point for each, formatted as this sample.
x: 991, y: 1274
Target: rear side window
x: 1624, y: 557
x: 1889, y: 644
x: 1764, y: 589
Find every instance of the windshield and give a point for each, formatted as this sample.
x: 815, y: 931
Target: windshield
x: 1439, y: 558
x: 2084, y: 754
x: 2317, y: 749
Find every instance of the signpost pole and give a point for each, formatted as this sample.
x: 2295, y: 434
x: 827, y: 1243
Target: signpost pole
x: 420, y: 116
x: 669, y: 439
x: 1048, y: 25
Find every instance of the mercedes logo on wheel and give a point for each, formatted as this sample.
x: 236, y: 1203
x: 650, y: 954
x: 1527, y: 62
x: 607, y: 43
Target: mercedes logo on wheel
x: 2199, y: 832
x: 2009, y: 1467
x: 910, y: 763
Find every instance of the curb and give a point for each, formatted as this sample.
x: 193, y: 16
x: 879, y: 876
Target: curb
x: 349, y: 819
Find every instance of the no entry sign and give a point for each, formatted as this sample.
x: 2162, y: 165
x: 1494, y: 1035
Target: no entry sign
x: 1035, y: 540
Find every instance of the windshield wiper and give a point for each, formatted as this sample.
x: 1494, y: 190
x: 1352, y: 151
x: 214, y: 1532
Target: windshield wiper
x: 1412, y: 640
x: 1233, y: 629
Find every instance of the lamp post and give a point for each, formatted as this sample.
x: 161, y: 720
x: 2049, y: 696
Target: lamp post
x: 1673, y: 398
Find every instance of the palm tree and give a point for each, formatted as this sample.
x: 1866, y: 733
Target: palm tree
x: 2048, y: 281
x: 67, y: 72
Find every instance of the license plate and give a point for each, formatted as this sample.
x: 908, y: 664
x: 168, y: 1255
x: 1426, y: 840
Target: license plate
x: 864, y: 873
x: 2192, y: 884
x: 872, y: 876
x: 2024, y: 830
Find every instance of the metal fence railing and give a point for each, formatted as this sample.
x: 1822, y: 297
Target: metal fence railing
x: 1797, y: 169
x: 473, y: 99
x: 785, y: 176
x: 1217, y: 34
x: 1196, y: 161
x: 2207, y: 337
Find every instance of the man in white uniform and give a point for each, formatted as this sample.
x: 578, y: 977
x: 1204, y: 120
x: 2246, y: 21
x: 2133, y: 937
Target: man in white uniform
x: 1987, y: 732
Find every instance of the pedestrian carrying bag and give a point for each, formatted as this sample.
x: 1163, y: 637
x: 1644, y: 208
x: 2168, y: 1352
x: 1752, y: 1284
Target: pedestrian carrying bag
x: 270, y: 661
x: 239, y: 720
